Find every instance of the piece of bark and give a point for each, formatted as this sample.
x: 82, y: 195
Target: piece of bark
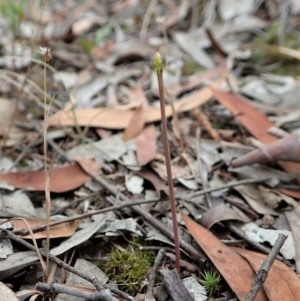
x: 175, y: 286
x: 160, y: 293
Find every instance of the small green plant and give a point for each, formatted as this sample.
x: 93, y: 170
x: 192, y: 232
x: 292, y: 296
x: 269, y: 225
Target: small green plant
x: 13, y: 13
x: 128, y: 268
x: 190, y: 67
x: 211, y: 282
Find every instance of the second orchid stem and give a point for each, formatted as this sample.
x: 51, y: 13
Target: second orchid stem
x: 159, y: 71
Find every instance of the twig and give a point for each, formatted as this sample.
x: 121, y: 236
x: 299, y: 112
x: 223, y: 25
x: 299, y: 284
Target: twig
x: 183, y: 263
x: 46, y: 56
x: 159, y: 72
x: 158, y: 259
x: 147, y: 19
x: 175, y: 120
x: 43, y: 264
x: 201, y: 166
x: 198, y: 256
x: 223, y: 299
x: 262, y: 273
x: 102, y: 295
x: 188, y: 197
x: 252, y: 242
x: 129, y: 203
x: 74, y: 202
x: 205, y: 123
x: 89, y: 214
x: 61, y: 263
x: 242, y: 206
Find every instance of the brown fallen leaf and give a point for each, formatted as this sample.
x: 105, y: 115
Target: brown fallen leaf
x: 191, y: 82
x: 88, y: 165
x: 255, y: 122
x: 159, y: 167
x: 119, y: 119
x: 138, y: 119
x: 62, y: 230
x: 236, y: 270
x: 62, y: 179
x: 281, y: 284
x: 285, y: 149
x: 146, y: 145
x: 293, y: 193
x: 218, y: 214
x: 158, y: 184
x: 293, y: 218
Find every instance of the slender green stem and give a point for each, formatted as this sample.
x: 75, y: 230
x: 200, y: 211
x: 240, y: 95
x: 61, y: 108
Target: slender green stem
x: 159, y: 69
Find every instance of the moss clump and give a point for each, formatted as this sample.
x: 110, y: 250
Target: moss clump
x: 190, y: 67
x: 128, y: 268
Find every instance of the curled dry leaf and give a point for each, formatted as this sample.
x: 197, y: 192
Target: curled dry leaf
x: 220, y: 213
x: 285, y: 149
x: 235, y: 269
x: 62, y: 179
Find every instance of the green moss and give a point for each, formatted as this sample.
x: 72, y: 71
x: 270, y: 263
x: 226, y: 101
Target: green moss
x: 290, y: 68
x: 190, y: 67
x: 128, y: 268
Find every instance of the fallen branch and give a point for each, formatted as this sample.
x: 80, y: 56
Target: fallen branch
x: 253, y: 243
x: 140, y: 211
x: 102, y: 295
x: 263, y: 272
x: 174, y: 285
x: 158, y: 259
x: 62, y: 264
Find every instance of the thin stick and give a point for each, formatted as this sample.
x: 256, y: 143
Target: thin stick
x: 46, y: 56
x: 158, y: 259
x: 159, y: 72
x: 89, y: 214
x: 12, y: 236
x: 34, y: 242
x: 253, y: 243
x: 197, y: 255
x: 201, y: 167
x: 147, y: 19
x: 104, y: 294
x: 188, y: 197
x: 262, y: 273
